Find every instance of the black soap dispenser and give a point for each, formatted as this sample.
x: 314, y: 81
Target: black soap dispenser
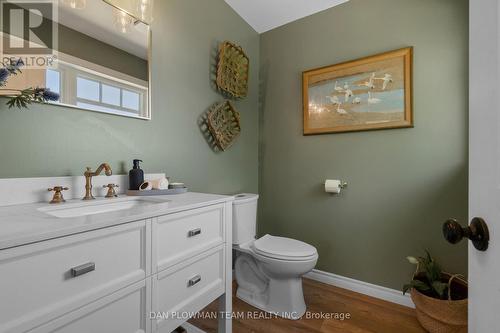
x: 136, y: 176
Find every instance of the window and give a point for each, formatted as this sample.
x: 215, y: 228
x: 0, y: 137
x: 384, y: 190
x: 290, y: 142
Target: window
x: 111, y: 95
x: 100, y: 96
x: 130, y: 100
x: 53, y: 81
x: 88, y: 89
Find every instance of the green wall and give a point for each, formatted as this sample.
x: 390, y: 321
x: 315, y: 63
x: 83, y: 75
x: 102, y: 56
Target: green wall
x: 56, y: 141
x: 403, y: 184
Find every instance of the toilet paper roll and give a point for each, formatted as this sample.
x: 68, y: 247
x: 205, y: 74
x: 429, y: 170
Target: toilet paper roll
x: 146, y: 186
x: 159, y: 184
x: 332, y: 186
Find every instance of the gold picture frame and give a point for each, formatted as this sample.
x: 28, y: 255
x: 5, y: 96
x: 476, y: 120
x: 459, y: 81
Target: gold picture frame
x: 370, y: 93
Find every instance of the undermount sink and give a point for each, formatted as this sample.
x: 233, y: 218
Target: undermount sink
x: 101, y: 206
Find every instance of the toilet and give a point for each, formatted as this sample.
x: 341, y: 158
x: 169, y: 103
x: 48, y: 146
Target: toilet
x: 269, y: 270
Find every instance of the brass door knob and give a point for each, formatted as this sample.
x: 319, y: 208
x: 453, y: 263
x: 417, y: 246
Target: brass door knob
x: 477, y: 232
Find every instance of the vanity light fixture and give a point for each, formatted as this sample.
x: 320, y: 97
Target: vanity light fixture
x: 123, y: 21
x: 144, y: 10
x: 75, y: 4
x: 140, y: 10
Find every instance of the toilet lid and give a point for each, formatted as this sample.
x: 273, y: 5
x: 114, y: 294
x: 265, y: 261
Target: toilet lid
x: 283, y: 248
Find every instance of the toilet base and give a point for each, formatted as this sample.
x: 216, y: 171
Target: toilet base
x: 282, y: 296
x: 285, y: 299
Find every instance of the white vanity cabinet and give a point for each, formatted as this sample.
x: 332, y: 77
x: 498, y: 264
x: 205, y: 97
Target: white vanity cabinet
x: 119, y: 278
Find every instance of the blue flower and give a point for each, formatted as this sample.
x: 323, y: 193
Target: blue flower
x: 4, y: 75
x: 50, y: 95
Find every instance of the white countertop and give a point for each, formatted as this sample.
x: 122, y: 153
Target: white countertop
x: 24, y: 224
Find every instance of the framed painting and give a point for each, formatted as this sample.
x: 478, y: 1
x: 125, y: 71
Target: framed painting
x: 365, y: 94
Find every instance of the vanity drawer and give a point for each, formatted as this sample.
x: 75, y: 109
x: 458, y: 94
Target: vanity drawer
x: 45, y: 280
x: 181, y: 235
x: 186, y: 288
x: 124, y: 311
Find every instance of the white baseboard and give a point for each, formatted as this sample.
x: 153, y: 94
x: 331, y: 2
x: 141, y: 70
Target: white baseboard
x: 387, y: 294
x: 191, y: 328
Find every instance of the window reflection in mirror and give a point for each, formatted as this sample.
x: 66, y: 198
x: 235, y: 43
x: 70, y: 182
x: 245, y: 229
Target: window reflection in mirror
x: 101, y: 64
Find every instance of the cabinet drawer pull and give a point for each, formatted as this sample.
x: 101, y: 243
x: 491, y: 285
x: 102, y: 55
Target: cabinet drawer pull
x: 194, y: 232
x: 82, y: 269
x: 194, y: 280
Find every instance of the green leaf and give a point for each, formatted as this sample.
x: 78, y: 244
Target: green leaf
x: 428, y: 256
x: 440, y: 288
x: 417, y: 284
x: 406, y: 287
x: 433, y: 272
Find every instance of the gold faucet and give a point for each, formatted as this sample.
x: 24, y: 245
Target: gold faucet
x: 88, y: 179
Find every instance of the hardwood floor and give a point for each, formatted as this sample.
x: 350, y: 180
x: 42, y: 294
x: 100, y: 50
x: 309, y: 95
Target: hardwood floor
x: 367, y: 314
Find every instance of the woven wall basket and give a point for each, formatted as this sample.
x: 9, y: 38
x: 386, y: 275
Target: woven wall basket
x: 224, y: 124
x: 232, y: 70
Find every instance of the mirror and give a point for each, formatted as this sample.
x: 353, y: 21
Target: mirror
x: 99, y: 59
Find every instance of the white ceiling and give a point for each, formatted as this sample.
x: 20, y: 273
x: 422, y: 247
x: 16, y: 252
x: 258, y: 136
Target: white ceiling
x: 264, y: 15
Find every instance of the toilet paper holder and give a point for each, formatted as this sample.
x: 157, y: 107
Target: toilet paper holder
x: 343, y: 184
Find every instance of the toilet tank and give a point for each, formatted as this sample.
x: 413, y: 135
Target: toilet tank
x: 244, y: 218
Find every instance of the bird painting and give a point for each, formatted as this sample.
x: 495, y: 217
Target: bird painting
x: 373, y: 100
x: 347, y: 94
x: 356, y: 100
x: 367, y: 93
x: 386, y: 80
x: 368, y: 83
x: 340, y: 111
x: 334, y: 99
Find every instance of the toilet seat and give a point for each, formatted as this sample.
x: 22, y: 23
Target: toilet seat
x: 284, y: 248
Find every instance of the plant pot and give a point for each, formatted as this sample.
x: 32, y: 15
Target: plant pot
x: 441, y: 316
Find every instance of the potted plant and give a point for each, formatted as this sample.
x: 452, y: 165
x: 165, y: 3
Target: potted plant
x: 440, y: 298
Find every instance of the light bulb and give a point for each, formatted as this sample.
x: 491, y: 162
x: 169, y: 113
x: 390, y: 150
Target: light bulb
x: 75, y: 4
x: 143, y: 8
x: 123, y: 21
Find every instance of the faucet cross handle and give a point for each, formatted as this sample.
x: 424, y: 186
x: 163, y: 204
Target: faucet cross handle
x: 111, y: 190
x: 58, y: 196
